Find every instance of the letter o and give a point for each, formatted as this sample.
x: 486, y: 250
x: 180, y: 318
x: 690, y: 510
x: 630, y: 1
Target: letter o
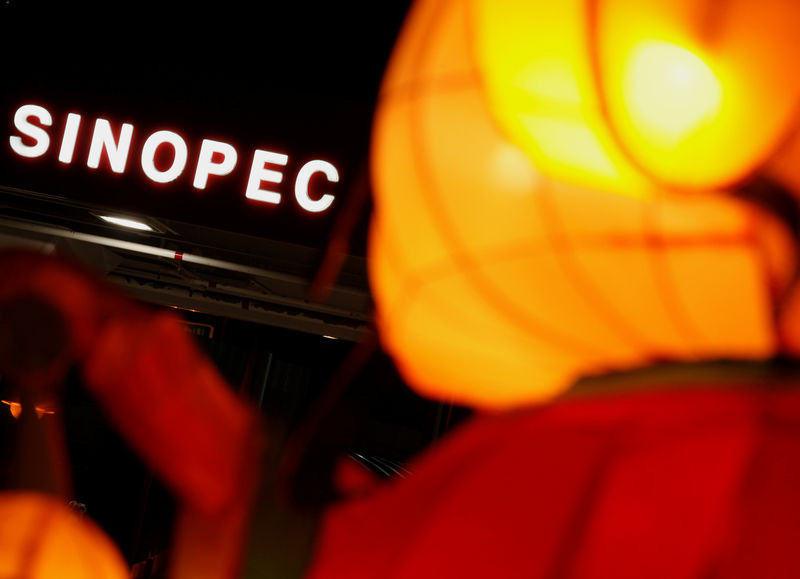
x: 149, y: 152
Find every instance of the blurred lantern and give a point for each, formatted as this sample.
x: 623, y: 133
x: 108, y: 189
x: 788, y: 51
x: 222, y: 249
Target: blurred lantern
x: 560, y: 193
x: 42, y: 538
x: 552, y: 190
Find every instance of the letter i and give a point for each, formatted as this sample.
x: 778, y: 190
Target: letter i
x: 70, y: 136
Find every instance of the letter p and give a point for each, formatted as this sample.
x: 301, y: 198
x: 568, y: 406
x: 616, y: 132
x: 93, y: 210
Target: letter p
x: 207, y: 165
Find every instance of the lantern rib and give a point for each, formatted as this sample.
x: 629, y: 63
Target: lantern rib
x: 517, y: 316
x: 411, y: 281
x: 733, y: 182
x: 580, y: 281
x: 677, y: 312
x: 453, y: 82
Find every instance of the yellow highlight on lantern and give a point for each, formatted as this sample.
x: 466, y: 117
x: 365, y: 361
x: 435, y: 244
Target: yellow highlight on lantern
x: 670, y: 92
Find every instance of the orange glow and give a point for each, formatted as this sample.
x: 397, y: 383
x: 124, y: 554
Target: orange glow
x: 41, y: 538
x: 610, y: 242
x: 666, y: 91
x: 14, y: 407
x: 41, y: 411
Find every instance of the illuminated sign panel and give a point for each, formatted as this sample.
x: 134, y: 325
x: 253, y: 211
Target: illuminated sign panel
x: 292, y: 92
x: 214, y: 159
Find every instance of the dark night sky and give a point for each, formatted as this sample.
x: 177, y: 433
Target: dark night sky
x: 228, y: 51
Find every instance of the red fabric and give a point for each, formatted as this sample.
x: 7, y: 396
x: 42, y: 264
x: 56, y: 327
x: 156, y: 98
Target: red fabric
x: 673, y: 484
x: 78, y: 296
x: 352, y: 478
x: 175, y: 410
x: 156, y: 386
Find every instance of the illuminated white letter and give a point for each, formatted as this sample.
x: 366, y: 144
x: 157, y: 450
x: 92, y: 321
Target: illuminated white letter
x: 103, y: 138
x: 301, y: 185
x: 149, y: 152
x: 38, y: 134
x: 70, y: 135
x: 259, y: 173
x: 205, y: 165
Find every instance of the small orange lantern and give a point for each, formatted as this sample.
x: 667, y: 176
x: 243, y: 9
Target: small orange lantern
x: 42, y: 538
x: 552, y: 190
x: 15, y: 408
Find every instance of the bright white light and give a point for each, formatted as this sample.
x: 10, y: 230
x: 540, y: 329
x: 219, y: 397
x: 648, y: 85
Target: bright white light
x: 260, y: 173
x: 670, y: 92
x: 206, y: 167
x: 103, y: 138
x: 70, y: 136
x: 330, y: 337
x: 28, y: 129
x: 301, y: 185
x: 149, y: 152
x: 125, y: 222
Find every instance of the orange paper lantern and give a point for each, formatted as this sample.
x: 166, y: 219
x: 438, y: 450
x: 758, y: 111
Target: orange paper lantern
x: 42, y: 538
x: 552, y: 184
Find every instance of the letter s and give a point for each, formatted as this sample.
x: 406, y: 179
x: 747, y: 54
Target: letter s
x: 38, y: 134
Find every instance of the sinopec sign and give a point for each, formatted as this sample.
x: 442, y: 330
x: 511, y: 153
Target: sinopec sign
x: 240, y: 182
x: 163, y: 156
x: 253, y: 118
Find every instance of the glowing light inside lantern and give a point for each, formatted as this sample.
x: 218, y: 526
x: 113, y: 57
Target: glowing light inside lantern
x: 670, y: 92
